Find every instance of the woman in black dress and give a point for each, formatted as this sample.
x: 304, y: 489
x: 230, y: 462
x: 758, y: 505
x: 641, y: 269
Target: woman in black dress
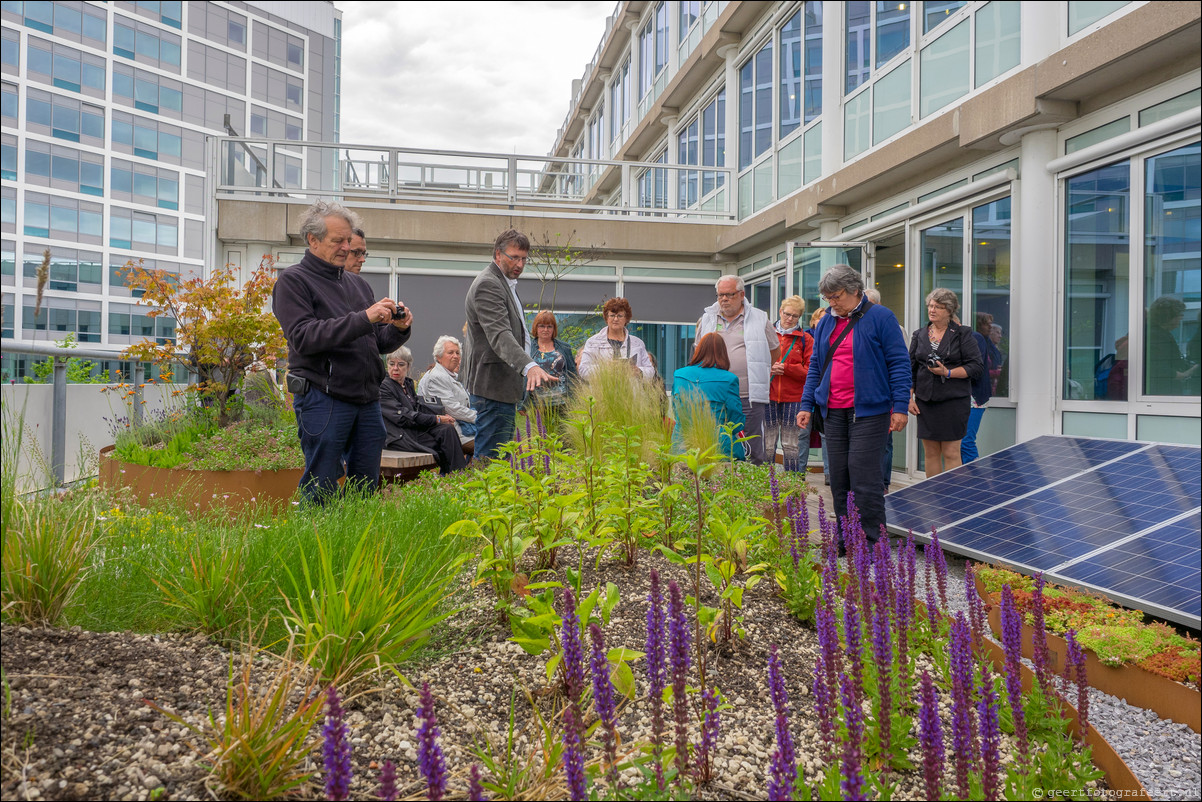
x: 945, y: 360
x: 411, y: 424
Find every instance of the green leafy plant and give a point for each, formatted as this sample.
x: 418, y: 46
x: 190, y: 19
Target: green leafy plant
x: 79, y: 371
x: 208, y: 586
x: 47, y: 543
x: 360, y: 617
x: 225, y: 325
x: 257, y: 745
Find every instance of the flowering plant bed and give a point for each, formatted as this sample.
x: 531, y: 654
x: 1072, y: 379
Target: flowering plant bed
x: 1157, y: 661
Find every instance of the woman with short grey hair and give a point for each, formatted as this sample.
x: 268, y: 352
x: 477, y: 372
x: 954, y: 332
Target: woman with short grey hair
x: 441, y: 383
x: 945, y: 360
x: 859, y: 389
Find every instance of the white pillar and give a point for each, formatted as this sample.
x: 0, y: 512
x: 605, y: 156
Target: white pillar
x: 1036, y: 322
x: 833, y: 28
x: 1040, y: 31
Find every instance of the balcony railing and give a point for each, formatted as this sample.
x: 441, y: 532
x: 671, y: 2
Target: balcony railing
x: 248, y: 167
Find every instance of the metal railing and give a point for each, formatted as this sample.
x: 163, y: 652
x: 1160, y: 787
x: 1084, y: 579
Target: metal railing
x: 266, y: 168
x: 58, y: 409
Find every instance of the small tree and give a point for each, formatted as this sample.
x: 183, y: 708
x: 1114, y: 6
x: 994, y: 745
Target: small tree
x: 225, y: 328
x: 551, y: 259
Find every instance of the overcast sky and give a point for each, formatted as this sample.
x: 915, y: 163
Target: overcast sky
x: 493, y: 77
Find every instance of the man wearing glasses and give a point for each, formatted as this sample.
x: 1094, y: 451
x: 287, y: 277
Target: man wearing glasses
x: 497, y: 368
x: 753, y: 347
x: 357, y: 255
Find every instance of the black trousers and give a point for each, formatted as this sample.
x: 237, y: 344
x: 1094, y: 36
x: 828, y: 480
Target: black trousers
x: 855, y: 445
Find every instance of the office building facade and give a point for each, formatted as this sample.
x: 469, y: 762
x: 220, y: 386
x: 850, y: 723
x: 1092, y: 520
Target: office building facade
x: 106, y: 109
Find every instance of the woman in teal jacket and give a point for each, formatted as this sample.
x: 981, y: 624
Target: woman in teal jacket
x: 708, y: 375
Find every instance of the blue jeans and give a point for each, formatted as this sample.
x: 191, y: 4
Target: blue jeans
x: 968, y: 444
x: 494, y: 425
x: 887, y: 461
x: 855, y: 446
x: 781, y: 423
x: 328, y: 430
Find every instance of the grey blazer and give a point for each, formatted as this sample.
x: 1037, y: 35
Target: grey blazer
x: 495, y: 352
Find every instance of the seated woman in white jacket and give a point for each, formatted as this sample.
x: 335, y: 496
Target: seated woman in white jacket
x: 442, y: 382
x: 614, y: 342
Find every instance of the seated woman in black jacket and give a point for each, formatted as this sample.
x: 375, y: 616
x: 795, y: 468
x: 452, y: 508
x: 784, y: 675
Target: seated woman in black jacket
x: 945, y: 361
x: 411, y: 424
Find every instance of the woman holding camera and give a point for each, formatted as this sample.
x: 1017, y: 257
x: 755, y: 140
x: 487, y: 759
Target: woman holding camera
x: 945, y: 361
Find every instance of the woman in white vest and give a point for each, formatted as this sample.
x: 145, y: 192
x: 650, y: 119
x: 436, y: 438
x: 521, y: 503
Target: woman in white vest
x: 752, y: 345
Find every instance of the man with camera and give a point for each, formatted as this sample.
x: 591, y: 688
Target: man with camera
x: 336, y: 334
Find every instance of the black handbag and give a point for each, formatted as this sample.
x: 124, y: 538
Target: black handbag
x: 816, y: 423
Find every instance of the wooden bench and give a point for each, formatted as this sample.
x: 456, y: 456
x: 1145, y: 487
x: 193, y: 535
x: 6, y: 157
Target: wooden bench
x: 401, y: 466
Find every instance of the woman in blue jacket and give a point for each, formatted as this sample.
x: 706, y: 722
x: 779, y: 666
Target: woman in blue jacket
x: 861, y: 390
x: 708, y: 376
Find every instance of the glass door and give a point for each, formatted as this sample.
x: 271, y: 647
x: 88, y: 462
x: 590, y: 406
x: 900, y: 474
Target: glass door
x: 807, y: 261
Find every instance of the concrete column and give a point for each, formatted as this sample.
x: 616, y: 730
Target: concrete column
x: 1036, y: 323
x: 1040, y: 31
x: 833, y: 28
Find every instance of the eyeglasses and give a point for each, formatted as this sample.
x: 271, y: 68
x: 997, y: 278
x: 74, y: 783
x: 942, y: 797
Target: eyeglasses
x: 615, y: 314
x: 830, y: 299
x: 512, y: 258
x: 790, y: 314
x: 728, y: 295
x: 359, y: 254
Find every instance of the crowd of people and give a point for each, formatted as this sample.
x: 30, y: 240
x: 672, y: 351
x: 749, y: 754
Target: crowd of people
x: 847, y: 381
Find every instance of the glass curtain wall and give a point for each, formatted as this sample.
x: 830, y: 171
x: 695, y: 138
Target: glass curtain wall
x: 990, y: 308
x: 1172, y: 274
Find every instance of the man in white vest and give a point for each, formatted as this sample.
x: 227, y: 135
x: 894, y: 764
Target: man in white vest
x: 753, y: 347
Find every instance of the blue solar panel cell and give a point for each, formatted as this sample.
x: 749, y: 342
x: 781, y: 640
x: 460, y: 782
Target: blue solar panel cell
x: 1056, y: 500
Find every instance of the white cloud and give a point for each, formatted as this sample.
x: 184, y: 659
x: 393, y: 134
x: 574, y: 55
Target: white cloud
x: 493, y: 77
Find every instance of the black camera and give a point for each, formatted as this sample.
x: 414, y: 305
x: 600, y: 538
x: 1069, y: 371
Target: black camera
x: 933, y: 360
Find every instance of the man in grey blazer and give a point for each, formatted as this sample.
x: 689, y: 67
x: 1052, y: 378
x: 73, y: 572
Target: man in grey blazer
x: 497, y: 367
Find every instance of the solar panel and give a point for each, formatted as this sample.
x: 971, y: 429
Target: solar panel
x: 1115, y: 516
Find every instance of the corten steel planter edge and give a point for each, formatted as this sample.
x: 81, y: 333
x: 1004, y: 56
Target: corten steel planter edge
x: 1118, y: 774
x: 1140, y: 687
x: 200, y: 490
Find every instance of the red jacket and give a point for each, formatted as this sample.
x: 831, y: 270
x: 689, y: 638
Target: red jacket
x: 795, y: 348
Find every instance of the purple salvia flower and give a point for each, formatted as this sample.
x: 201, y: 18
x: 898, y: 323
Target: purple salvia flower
x: 710, y: 727
x: 991, y: 735
x: 795, y: 538
x: 572, y: 650
x: 573, y: 756
x: 1012, y: 642
x: 656, y: 675
x: 603, y: 699
x: 783, y: 768
x: 853, y: 780
x: 538, y: 419
x: 529, y: 460
x: 388, y: 791
x: 678, y: 655
x: 824, y: 529
x: 932, y: 610
x: 828, y: 642
x: 823, y: 706
x: 1039, y: 641
x: 336, y: 748
x: 475, y: 788
x: 854, y: 649
x: 940, y: 568
x: 961, y: 681
x: 429, y: 754
x: 1074, y: 658
x: 882, y: 575
x: 882, y: 653
x: 903, y: 605
x: 976, y: 608
x: 930, y: 735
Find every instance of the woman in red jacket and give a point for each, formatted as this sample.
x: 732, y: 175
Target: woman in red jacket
x: 788, y: 382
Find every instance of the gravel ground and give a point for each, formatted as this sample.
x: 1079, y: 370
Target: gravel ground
x: 78, y: 725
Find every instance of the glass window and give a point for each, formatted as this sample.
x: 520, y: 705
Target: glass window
x: 755, y: 106
x: 1099, y: 134
x: 997, y: 45
x: 1097, y: 274
x: 934, y: 13
x: 891, y: 103
x: 944, y: 70
x: 1173, y: 272
x: 813, y: 154
x: 1082, y: 14
x: 690, y: 12
x: 892, y: 30
x: 859, y: 44
x: 857, y: 123
x: 1171, y: 107
x: 942, y: 261
x: 813, y: 60
x: 9, y: 101
x: 991, y: 288
x: 790, y: 76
